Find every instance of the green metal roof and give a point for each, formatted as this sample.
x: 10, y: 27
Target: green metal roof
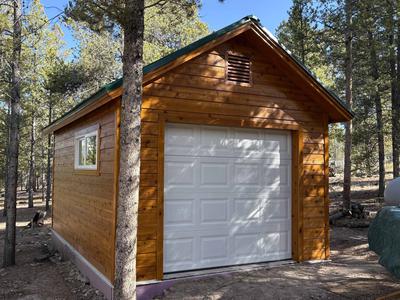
x: 187, y: 49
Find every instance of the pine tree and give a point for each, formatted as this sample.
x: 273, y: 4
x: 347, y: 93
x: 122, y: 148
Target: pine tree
x: 12, y: 173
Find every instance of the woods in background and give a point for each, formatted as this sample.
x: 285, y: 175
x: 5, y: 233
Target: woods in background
x: 41, y: 79
x: 55, y: 78
x: 353, y: 47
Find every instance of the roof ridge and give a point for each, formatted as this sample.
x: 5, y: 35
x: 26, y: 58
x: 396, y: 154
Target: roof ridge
x: 191, y: 47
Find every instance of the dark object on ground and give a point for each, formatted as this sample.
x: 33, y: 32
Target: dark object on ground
x: 384, y: 238
x: 37, y: 219
x: 357, y: 211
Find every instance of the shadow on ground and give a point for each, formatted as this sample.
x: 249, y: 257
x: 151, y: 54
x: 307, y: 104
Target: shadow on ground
x: 353, y: 273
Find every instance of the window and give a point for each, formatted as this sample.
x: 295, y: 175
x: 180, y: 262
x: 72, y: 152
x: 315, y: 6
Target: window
x: 238, y: 69
x: 86, y: 149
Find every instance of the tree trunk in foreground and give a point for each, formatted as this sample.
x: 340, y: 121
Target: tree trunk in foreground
x: 9, y: 238
x: 378, y: 111
x: 349, y: 97
x: 129, y: 173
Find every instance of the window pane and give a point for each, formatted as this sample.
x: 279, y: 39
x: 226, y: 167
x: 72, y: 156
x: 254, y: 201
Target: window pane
x: 81, y: 152
x: 91, y: 150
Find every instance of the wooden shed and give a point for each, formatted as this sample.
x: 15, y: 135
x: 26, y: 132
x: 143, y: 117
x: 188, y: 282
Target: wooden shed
x: 234, y: 161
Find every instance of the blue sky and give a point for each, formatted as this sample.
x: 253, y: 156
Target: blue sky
x: 214, y: 13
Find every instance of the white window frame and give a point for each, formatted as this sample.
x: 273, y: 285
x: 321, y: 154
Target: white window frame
x: 83, y: 134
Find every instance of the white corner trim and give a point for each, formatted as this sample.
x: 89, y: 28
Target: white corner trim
x: 96, y: 278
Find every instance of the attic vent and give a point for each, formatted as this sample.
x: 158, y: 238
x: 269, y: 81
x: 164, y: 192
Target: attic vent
x: 238, y: 69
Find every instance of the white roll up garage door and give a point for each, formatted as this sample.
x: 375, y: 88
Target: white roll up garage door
x: 227, y: 196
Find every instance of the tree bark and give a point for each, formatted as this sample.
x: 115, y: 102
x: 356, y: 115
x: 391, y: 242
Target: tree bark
x: 49, y: 156
x: 130, y: 142
x: 378, y: 111
x: 349, y: 100
x: 10, y: 233
x: 6, y: 151
x: 394, y: 92
x: 31, y: 175
x: 396, y: 101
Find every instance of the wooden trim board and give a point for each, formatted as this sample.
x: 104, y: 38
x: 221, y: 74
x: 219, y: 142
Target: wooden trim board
x: 297, y: 179
x: 160, y: 199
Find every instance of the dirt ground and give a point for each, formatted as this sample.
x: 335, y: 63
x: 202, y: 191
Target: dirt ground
x: 38, y: 273
x: 352, y: 273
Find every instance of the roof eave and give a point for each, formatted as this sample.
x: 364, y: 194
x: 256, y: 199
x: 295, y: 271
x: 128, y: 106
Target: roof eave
x: 338, y: 104
x: 156, y: 69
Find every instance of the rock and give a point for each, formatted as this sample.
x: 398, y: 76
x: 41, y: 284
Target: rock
x: 82, y: 278
x: 42, y: 258
x: 392, y: 193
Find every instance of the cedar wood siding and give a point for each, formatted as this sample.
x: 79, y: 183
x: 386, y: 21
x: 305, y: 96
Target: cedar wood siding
x: 196, y: 92
x: 84, y: 204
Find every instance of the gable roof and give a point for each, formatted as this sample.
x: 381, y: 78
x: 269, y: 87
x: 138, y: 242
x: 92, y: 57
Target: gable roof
x: 157, y: 68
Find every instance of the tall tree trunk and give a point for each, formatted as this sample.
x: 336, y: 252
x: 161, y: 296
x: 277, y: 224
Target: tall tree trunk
x: 394, y: 91
x: 349, y: 100
x: 378, y: 110
x: 396, y: 103
x: 42, y: 173
x: 10, y: 233
x: 130, y: 142
x: 49, y: 156
x: 6, y: 151
x: 31, y: 175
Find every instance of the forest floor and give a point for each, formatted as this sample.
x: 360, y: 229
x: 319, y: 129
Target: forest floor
x: 352, y: 273
x: 38, y: 274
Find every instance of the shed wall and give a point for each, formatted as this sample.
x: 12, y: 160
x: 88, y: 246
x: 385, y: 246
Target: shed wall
x: 84, y: 203
x: 197, y: 93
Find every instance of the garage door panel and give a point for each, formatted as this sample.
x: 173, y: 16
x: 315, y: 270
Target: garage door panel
x: 275, y: 210
x: 179, y: 250
x: 247, y: 173
x: 225, y: 174
x: 246, y: 209
x: 180, y: 137
x: 214, y: 174
x: 275, y: 192
x: 214, y: 138
x: 214, y: 248
x: 276, y: 175
x: 179, y: 172
x: 214, y: 211
x: 179, y: 211
x: 204, y: 141
x: 227, y: 196
x: 247, y: 245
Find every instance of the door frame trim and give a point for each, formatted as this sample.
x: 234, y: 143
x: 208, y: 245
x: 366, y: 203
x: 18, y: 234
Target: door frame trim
x: 296, y: 170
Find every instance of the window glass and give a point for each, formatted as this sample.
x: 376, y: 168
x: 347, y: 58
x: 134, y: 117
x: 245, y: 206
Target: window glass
x: 86, y: 151
x: 91, y: 150
x: 81, y: 152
